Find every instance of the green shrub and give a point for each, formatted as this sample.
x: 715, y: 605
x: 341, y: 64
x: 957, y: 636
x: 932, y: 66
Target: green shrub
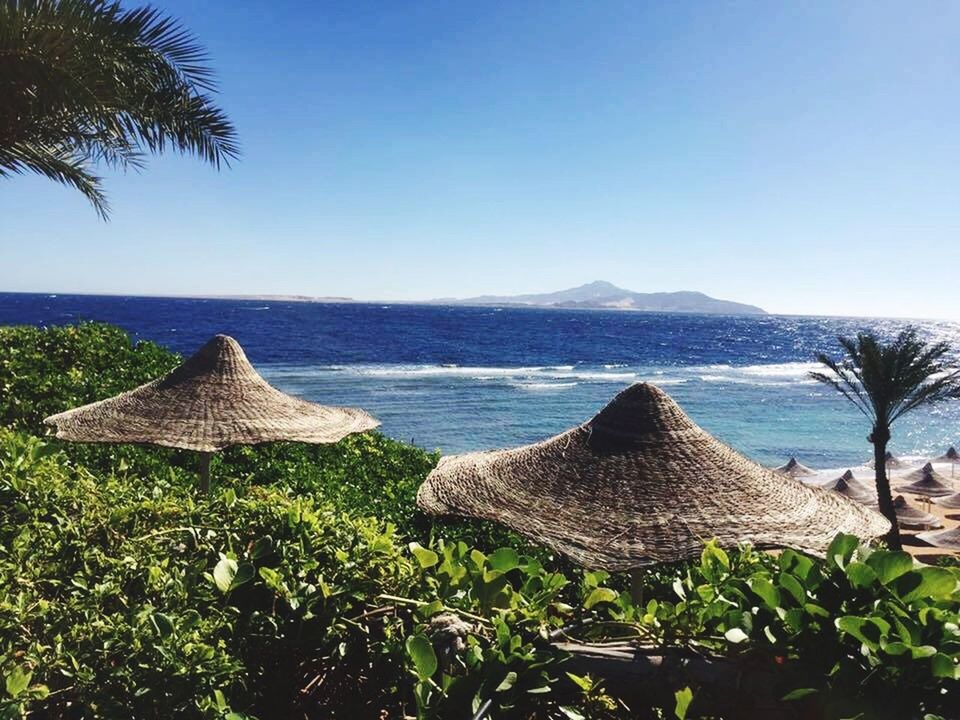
x: 308, y: 585
x: 140, y: 599
x: 47, y: 370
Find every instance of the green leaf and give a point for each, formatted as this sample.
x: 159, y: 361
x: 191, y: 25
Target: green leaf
x: 799, y: 693
x: 860, y: 574
x: 928, y: 582
x: 245, y: 573
x: 262, y: 547
x: 766, y: 591
x: 17, y: 681
x: 421, y: 652
x: 869, y: 631
x: 683, y: 699
x: 735, y: 635
x: 789, y: 583
x: 426, y: 557
x: 507, y: 682
x: 841, y: 550
x: 889, y: 565
x: 224, y: 573
x: 163, y: 624
x: 943, y: 666
x: 582, y: 682
x: 599, y: 595
x: 505, y: 559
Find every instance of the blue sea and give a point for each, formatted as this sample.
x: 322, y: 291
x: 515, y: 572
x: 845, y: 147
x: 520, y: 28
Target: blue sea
x: 462, y: 378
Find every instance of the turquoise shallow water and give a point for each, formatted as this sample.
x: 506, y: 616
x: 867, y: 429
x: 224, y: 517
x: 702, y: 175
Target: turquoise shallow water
x: 470, y: 378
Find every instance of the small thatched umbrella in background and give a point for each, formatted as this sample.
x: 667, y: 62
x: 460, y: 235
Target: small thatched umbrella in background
x: 215, y: 399
x: 911, y: 517
x: 640, y: 483
x: 925, y: 481
x: 848, y: 486
x: 891, y: 462
x: 951, y: 502
x: 794, y: 469
x: 947, y: 539
x: 950, y: 456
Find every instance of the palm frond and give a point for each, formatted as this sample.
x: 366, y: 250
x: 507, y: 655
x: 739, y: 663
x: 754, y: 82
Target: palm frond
x: 88, y: 82
x: 887, y: 380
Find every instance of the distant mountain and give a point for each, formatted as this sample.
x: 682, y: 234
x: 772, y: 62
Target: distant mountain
x: 602, y: 294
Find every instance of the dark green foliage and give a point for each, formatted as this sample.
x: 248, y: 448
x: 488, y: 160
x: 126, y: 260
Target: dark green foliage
x: 86, y: 82
x: 47, y: 370
x: 123, y: 598
x: 307, y: 585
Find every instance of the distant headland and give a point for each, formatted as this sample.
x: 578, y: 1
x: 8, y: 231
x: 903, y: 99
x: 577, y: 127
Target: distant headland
x: 604, y: 295
x: 599, y: 295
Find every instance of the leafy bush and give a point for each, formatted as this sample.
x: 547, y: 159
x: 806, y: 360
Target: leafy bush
x: 865, y: 631
x: 308, y: 585
x: 138, y: 599
x: 47, y: 370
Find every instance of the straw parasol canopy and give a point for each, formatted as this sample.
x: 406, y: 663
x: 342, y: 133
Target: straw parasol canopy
x: 848, y: 486
x: 640, y: 483
x: 215, y: 399
x: 911, y: 517
x: 926, y: 481
x: 947, y: 501
x: 947, y: 539
x: 950, y: 456
x: 794, y: 469
x: 891, y: 462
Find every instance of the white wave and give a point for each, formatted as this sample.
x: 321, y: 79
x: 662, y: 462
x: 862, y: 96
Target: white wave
x: 772, y: 375
x: 569, y: 373
x: 790, y: 369
x: 543, y: 386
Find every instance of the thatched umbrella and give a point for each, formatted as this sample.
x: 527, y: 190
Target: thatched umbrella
x: 848, y: 486
x: 215, y: 399
x: 640, y: 483
x: 950, y: 456
x: 891, y: 462
x: 794, y: 469
x: 911, y: 517
x: 947, y: 539
x: 947, y: 501
x: 926, y: 481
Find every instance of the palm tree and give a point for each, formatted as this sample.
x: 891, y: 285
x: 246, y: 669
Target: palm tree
x: 884, y: 382
x: 84, y: 82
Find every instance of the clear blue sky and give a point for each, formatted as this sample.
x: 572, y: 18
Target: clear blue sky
x: 799, y: 156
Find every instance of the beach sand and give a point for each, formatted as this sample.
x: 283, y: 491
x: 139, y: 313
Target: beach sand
x: 950, y: 517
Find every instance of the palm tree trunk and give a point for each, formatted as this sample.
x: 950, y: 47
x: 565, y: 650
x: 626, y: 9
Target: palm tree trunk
x: 880, y: 438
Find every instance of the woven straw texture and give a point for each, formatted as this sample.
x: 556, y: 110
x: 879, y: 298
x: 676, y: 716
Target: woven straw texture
x: 926, y: 481
x: 848, y: 486
x: 640, y: 483
x: 212, y: 401
x: 794, y: 469
x: 911, y: 517
x: 947, y: 501
x: 947, y: 539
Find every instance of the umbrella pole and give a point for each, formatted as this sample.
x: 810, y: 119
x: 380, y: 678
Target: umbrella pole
x: 205, y: 472
x: 636, y: 586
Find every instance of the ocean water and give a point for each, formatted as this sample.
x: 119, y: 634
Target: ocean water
x: 458, y: 379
